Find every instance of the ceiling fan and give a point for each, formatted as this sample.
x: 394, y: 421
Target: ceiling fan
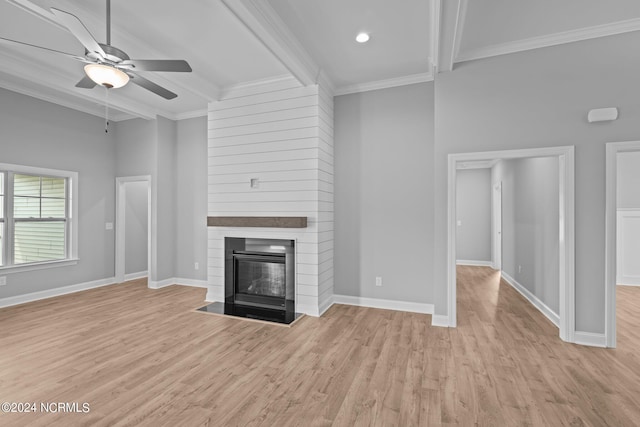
x: 106, y: 65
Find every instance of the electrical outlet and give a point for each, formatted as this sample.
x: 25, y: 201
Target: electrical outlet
x: 378, y: 281
x: 3, y: 280
x: 108, y: 226
x: 196, y: 265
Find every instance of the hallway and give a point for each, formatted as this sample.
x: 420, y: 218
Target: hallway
x: 509, y: 361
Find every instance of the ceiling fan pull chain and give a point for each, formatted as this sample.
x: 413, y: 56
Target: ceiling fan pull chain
x: 106, y: 110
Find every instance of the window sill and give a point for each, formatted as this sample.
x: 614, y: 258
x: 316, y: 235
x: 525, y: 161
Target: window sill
x: 9, y: 269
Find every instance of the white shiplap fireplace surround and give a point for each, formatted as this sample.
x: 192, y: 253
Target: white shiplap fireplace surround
x: 281, y: 135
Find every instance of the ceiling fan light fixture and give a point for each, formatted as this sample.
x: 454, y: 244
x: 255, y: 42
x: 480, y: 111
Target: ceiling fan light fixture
x: 106, y: 75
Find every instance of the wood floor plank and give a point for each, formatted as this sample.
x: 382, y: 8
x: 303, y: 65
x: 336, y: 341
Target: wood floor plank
x: 143, y: 357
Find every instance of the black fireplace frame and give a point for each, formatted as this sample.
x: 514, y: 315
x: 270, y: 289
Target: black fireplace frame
x: 265, y: 250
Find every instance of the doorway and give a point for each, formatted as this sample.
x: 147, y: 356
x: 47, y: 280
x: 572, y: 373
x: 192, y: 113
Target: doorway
x: 133, y: 228
x: 612, y: 262
x: 565, y: 156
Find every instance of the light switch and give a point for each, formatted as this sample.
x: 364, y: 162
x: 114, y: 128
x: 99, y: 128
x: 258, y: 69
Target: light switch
x: 459, y: 223
x: 254, y: 182
x: 108, y: 226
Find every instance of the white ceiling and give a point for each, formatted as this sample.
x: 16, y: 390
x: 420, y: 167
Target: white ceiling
x: 234, y: 43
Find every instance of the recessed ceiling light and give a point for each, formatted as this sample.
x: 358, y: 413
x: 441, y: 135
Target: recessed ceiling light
x: 362, y: 38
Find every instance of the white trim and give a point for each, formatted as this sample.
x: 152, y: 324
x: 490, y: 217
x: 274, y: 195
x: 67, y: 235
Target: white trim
x: 440, y: 321
x: 612, y: 150
x: 566, y: 162
x: 534, y: 300
x: 134, y: 276
x: 622, y: 278
x: 190, y: 114
x: 551, y: 40
x: 153, y: 284
x: 384, y: 84
x: 413, y: 307
x: 474, y: 263
x: 590, y: 339
x: 55, y: 292
x: 436, y: 18
x: 21, y: 268
x: 496, y: 223
x: 271, y: 84
x: 461, y: 16
x: 120, y: 226
x: 195, y: 283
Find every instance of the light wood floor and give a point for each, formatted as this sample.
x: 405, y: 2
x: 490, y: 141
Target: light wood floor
x: 142, y: 357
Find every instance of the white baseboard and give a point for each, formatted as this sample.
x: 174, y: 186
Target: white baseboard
x: 190, y: 282
x: 590, y: 339
x: 308, y: 309
x: 474, y: 263
x: 386, y: 304
x: 134, y: 276
x: 440, y: 320
x: 534, y: 300
x: 157, y: 284
x: 50, y: 293
x: 628, y: 281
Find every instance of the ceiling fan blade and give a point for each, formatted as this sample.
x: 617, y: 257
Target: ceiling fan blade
x: 77, y: 28
x: 170, y: 65
x: 69, y: 55
x: 86, y: 83
x: 151, y: 86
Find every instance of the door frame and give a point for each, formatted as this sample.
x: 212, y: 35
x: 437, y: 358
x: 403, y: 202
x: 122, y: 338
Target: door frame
x: 611, y: 228
x: 566, y: 162
x: 120, y: 224
x: 496, y: 225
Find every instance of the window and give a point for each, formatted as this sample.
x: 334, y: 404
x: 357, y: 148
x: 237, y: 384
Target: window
x: 37, y: 224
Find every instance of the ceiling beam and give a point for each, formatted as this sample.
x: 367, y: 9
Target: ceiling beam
x: 452, y: 18
x: 265, y: 23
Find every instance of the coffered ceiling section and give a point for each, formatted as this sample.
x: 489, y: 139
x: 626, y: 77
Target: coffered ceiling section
x: 494, y: 27
x: 221, y: 51
x: 399, y: 46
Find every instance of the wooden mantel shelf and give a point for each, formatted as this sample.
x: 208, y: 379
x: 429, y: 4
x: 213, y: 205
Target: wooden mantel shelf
x: 258, y: 221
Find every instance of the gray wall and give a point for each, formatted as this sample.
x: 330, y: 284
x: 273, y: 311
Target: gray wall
x: 530, y: 225
x: 165, y: 178
x: 541, y: 98
x: 628, y: 180
x: 136, y: 223
x: 473, y: 210
x: 384, y: 192
x: 191, y: 199
x: 37, y: 133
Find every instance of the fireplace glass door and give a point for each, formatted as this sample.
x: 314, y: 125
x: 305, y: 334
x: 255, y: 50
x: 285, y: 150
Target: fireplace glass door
x: 260, y: 279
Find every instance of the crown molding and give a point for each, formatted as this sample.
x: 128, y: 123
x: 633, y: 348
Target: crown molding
x: 265, y: 23
x: 383, y: 84
x: 564, y: 37
x: 190, y: 115
x: 255, y: 87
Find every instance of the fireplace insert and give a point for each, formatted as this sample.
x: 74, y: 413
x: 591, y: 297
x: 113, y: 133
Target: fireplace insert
x: 260, y: 273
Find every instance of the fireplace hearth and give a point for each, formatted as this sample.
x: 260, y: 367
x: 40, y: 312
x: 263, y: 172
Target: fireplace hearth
x: 259, y: 280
